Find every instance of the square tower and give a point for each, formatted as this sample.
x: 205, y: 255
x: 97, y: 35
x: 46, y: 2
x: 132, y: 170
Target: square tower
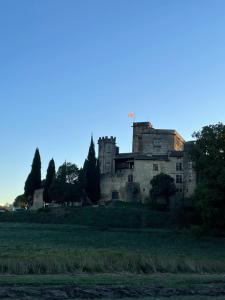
x: 148, y: 140
x: 106, y: 153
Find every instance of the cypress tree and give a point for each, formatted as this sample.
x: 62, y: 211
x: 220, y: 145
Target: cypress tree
x: 98, y: 189
x: 33, y: 181
x: 82, y: 182
x: 92, y: 175
x: 50, y: 177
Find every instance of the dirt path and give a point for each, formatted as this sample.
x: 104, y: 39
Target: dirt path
x: 103, y: 292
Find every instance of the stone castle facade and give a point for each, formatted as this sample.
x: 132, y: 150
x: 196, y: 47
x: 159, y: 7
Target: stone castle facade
x: 127, y: 176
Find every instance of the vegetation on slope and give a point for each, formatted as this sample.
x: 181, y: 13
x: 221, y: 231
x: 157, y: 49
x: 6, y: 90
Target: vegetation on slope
x: 59, y: 249
x: 121, y: 215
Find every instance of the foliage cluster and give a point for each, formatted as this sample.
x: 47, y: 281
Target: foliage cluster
x: 208, y: 155
x: 33, y: 181
x: 90, y: 175
x: 66, y: 186
x: 163, y: 187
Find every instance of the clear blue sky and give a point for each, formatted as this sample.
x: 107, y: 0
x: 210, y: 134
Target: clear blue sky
x: 69, y: 68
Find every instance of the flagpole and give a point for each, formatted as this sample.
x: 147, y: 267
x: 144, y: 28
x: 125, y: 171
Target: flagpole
x: 132, y: 115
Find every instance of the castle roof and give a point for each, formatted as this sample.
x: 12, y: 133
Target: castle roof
x: 124, y: 155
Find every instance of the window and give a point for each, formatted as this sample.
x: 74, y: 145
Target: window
x: 179, y: 166
x: 157, y: 142
x: 131, y: 165
x: 155, y: 167
x: 190, y: 165
x: 115, y: 195
x: 179, y: 179
x: 130, y: 178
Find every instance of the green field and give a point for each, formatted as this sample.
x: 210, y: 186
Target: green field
x: 58, y: 248
x: 119, y: 215
x: 106, y: 279
x: 40, y: 253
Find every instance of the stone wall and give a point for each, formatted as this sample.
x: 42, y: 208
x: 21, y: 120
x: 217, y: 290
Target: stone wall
x: 189, y: 176
x: 37, y: 200
x: 106, y: 152
x: 143, y: 172
x: 155, y: 151
x: 147, y: 140
x: 118, y: 182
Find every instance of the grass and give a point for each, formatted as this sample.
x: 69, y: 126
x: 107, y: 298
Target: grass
x: 66, y: 249
x: 127, y: 279
x: 120, y: 215
x: 62, y: 254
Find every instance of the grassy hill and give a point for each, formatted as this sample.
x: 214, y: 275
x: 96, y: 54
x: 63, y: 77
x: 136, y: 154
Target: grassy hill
x: 120, y: 215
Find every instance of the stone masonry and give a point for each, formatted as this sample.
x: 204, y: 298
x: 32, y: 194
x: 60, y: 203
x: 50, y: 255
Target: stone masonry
x: 127, y: 176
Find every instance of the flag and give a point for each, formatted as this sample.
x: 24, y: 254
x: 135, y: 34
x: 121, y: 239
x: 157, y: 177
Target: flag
x: 131, y: 114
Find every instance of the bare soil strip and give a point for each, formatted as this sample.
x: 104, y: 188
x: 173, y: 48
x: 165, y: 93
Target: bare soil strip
x: 104, y: 292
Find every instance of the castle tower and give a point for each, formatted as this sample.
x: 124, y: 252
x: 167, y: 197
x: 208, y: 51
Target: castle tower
x: 140, y: 129
x: 106, y: 153
x: 151, y: 141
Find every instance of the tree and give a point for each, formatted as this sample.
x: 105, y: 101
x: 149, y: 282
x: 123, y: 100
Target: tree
x: 208, y: 155
x: 33, y: 181
x: 50, y: 177
x: 68, y: 173
x: 20, y: 201
x: 65, y: 188
x: 163, y: 187
x: 91, y: 175
x: 98, y: 177
x: 82, y: 177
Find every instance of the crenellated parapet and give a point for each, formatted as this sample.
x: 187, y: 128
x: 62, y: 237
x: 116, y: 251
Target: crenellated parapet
x: 107, y: 139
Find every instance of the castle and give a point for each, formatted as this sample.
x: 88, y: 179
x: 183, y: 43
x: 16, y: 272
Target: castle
x: 127, y: 176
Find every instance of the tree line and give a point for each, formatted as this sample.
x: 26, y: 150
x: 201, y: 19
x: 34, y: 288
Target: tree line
x: 65, y: 186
